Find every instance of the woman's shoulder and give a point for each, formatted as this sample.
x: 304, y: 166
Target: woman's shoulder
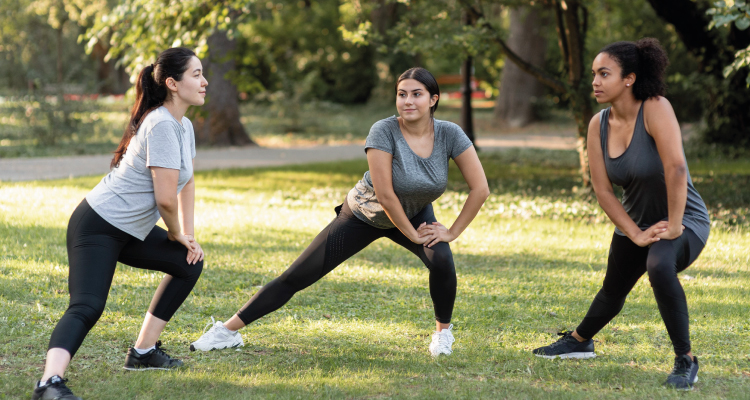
x: 385, y: 123
x: 448, y: 125
x: 657, y: 104
x: 159, y: 120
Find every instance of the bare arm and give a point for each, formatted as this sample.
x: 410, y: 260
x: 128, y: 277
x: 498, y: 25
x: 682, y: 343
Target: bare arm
x: 605, y: 194
x: 471, y: 169
x: 661, y: 123
x: 381, y: 170
x: 165, y: 192
x: 186, y: 203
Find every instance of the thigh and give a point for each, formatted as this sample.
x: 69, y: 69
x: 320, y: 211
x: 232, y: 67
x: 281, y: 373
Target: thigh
x: 93, y: 246
x: 157, y: 253
x: 344, y: 237
x: 678, y: 253
x: 625, y: 265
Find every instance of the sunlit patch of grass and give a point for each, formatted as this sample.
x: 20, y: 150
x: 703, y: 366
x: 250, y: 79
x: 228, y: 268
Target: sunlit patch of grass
x: 363, y: 330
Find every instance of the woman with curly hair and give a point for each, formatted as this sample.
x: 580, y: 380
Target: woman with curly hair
x: 662, y: 223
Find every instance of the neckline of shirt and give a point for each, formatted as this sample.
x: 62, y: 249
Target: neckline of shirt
x: 434, y: 138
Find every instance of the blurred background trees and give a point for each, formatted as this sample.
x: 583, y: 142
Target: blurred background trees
x: 531, y: 58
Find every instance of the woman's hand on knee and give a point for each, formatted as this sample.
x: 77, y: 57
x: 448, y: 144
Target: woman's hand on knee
x: 650, y: 235
x: 197, y: 253
x: 435, y: 233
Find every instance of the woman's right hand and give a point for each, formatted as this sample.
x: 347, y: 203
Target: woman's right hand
x: 420, y: 236
x: 650, y: 235
x: 183, y: 240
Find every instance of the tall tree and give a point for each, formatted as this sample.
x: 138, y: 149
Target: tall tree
x: 514, y: 106
x: 220, y: 124
x: 137, y: 30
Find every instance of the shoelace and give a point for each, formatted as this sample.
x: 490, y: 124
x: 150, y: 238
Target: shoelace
x: 563, y: 339
x: 61, y: 388
x: 443, y: 341
x: 211, y: 324
x: 681, y: 368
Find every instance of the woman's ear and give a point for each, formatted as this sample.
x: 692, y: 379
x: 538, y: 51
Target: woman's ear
x: 171, y: 84
x: 434, y: 99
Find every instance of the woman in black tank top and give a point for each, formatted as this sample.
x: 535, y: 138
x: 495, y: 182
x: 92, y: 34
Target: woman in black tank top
x: 662, y: 223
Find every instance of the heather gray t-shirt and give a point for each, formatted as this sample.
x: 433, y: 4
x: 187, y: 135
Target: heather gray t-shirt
x: 125, y: 197
x: 417, y: 181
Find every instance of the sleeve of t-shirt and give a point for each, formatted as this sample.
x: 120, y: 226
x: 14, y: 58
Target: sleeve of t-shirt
x: 380, y: 137
x: 457, y: 141
x: 163, y: 146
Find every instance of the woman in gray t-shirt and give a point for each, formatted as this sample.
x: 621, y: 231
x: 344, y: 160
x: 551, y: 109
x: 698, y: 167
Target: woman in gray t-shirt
x: 662, y: 224
x: 151, y: 178
x: 408, y: 158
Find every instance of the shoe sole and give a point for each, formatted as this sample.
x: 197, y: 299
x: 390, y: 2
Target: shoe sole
x: 149, y: 368
x: 193, y: 348
x: 580, y: 355
x: 687, y: 389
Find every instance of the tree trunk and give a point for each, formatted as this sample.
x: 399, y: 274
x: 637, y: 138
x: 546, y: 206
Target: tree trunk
x: 218, y: 121
x: 467, y: 119
x: 519, y: 90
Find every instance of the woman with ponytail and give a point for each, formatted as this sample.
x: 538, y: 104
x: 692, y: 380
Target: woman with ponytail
x: 662, y: 224
x: 151, y: 177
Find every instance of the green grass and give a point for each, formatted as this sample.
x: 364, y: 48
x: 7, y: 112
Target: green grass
x: 528, y: 266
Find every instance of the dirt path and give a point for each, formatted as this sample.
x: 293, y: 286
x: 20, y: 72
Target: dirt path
x: 28, y: 169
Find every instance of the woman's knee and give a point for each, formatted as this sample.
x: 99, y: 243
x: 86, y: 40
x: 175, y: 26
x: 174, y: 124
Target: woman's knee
x: 195, y: 271
x: 441, y: 259
x: 660, y: 269
x: 87, y: 310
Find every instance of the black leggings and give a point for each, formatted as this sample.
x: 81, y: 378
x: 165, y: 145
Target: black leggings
x: 662, y: 260
x: 344, y: 237
x: 94, y: 248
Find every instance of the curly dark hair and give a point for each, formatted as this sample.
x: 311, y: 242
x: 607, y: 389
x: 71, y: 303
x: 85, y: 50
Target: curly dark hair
x: 647, y: 59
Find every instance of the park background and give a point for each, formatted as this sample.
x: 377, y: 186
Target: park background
x: 299, y: 73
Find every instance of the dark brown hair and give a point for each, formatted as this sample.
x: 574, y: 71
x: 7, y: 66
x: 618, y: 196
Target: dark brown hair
x: 647, y: 59
x: 424, y: 77
x: 151, y: 92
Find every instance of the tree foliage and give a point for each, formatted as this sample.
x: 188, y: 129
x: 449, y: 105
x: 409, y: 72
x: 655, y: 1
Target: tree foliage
x: 726, y: 13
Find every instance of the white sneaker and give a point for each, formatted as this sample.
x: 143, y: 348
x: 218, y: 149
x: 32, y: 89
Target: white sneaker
x: 442, y: 342
x: 218, y: 337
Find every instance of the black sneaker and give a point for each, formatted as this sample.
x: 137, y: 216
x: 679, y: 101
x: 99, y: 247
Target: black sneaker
x: 567, y: 347
x: 684, y: 374
x: 55, y: 389
x: 154, y: 359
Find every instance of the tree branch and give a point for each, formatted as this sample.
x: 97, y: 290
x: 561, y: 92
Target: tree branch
x: 562, y: 41
x: 538, y: 73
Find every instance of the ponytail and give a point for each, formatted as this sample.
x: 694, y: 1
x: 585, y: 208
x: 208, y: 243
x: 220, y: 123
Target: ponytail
x: 151, y: 92
x: 647, y: 59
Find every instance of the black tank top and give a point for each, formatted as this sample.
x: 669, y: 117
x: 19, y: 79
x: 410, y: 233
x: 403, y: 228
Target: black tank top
x: 640, y: 173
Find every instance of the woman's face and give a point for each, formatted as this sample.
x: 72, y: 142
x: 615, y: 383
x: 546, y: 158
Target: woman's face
x: 413, y: 101
x: 192, y: 88
x: 608, y: 82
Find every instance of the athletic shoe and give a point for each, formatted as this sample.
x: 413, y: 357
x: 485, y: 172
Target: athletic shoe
x: 567, y: 347
x: 442, y: 342
x: 218, y: 337
x: 156, y: 358
x: 55, y: 389
x: 684, y: 374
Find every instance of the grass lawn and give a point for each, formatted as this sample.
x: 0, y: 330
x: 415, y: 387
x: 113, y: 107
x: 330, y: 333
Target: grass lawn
x: 528, y: 266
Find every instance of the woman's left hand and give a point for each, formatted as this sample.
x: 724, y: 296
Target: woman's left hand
x: 671, y: 233
x: 435, y: 233
x: 197, y: 253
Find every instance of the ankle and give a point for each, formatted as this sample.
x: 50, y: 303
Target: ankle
x: 578, y: 337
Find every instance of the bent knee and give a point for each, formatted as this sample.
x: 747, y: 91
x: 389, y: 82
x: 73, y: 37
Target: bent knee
x: 660, y: 269
x: 441, y: 259
x: 87, y: 312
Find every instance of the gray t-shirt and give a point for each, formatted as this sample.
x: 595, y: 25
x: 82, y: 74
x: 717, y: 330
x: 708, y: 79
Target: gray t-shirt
x: 125, y: 197
x: 417, y: 181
